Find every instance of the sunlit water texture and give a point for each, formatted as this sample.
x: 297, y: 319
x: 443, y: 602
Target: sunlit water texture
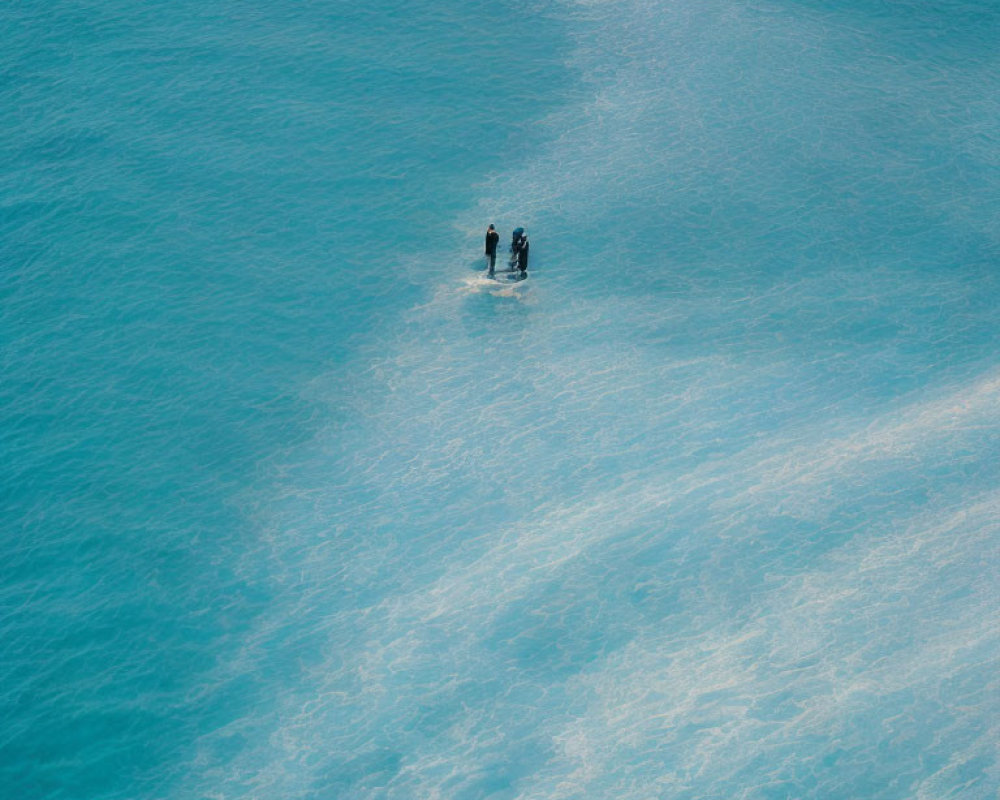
x: 299, y: 506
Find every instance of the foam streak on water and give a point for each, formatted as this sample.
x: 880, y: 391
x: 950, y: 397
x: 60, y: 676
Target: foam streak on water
x: 301, y: 505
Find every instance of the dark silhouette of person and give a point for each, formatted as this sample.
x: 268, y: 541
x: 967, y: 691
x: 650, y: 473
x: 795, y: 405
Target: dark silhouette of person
x: 515, y: 237
x: 522, y: 254
x: 492, y: 240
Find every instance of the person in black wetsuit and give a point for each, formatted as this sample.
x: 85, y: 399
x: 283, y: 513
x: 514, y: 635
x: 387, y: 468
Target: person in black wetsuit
x: 515, y: 237
x: 492, y: 240
x: 522, y: 255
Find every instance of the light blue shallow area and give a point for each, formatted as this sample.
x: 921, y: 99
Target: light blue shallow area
x: 298, y: 505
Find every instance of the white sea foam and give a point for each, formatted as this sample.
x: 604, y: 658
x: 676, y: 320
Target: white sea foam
x: 720, y: 531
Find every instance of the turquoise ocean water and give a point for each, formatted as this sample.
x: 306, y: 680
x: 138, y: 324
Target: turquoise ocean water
x: 297, y: 505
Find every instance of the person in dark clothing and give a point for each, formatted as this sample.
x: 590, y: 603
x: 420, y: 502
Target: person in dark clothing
x: 492, y: 240
x: 515, y: 238
x: 522, y: 254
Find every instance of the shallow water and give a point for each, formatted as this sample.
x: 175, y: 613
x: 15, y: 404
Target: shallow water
x: 297, y: 504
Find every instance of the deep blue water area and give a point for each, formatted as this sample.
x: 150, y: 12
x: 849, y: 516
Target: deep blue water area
x: 298, y: 504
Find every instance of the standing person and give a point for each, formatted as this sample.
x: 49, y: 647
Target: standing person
x: 515, y: 242
x: 522, y: 255
x: 492, y: 240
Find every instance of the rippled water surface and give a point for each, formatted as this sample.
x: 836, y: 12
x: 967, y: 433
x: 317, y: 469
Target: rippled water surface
x: 298, y: 505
